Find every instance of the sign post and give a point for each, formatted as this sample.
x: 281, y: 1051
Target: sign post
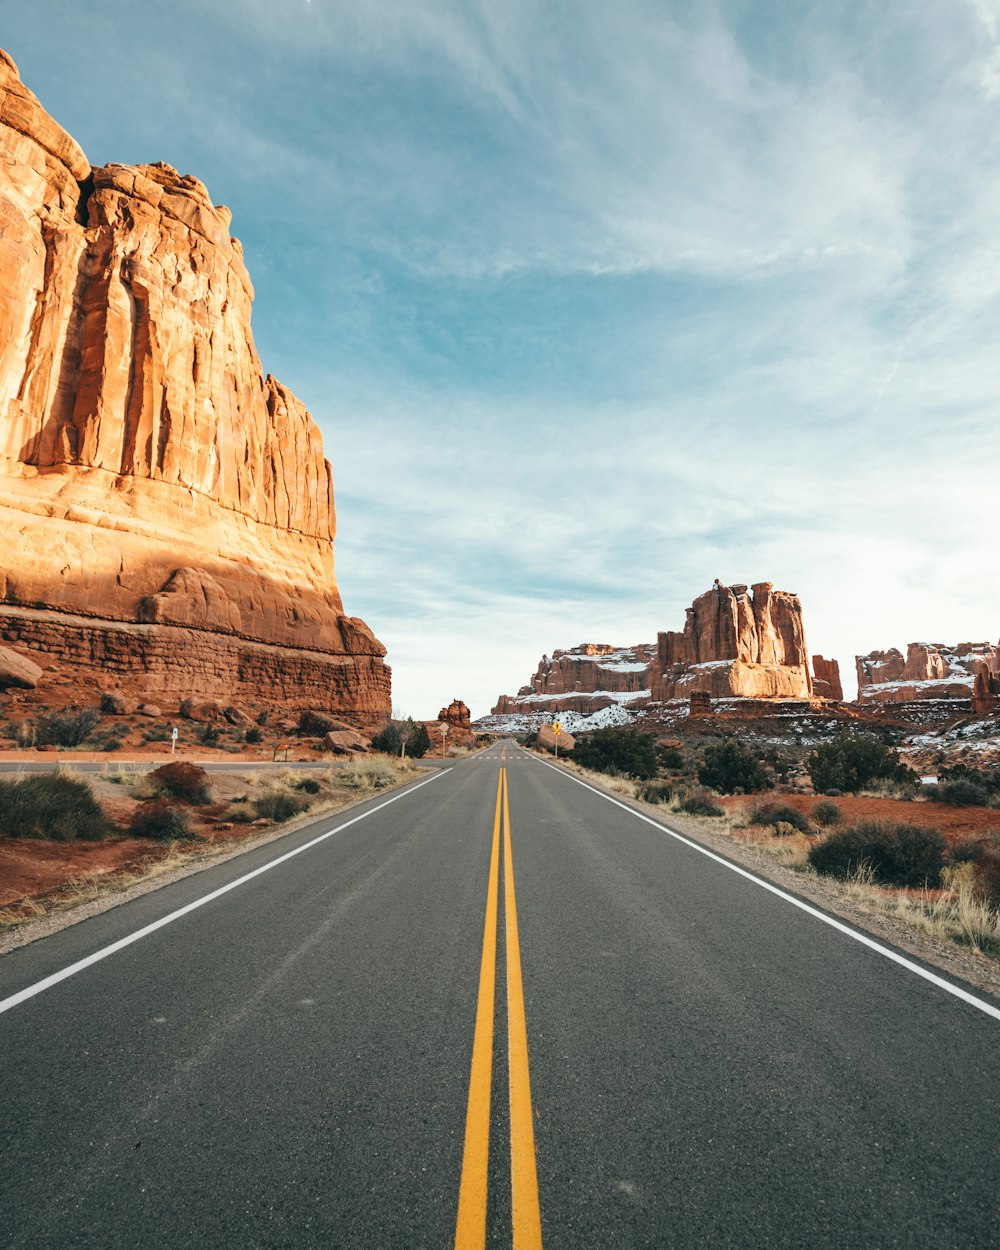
x: 173, y: 740
x: 556, y: 731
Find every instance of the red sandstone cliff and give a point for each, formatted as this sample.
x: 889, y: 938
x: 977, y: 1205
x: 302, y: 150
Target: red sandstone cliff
x: 736, y: 644
x: 733, y: 645
x: 164, y: 506
x: 929, y: 671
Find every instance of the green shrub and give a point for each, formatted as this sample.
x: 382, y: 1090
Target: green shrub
x: 308, y: 785
x: 896, y: 854
x: 669, y: 757
x: 278, y: 806
x: 852, y: 762
x: 732, y: 768
x: 52, y: 807
x: 826, y: 813
x: 779, y: 814
x: 962, y: 793
x: 66, y: 730
x: 162, y: 822
x: 988, y: 778
x: 618, y: 751
x: 656, y: 791
x: 209, y: 735
x: 157, y: 733
x: 965, y: 850
x: 182, y: 781
x: 253, y: 734
x: 701, y: 804
x: 389, y: 740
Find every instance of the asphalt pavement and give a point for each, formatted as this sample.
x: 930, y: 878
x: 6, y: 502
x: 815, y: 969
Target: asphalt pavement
x: 279, y: 1051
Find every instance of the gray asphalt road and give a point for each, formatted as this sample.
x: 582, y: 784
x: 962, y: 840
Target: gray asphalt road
x: 289, y: 1063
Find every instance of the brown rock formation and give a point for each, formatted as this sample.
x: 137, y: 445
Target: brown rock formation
x: 556, y: 744
x: 929, y: 671
x: 826, y: 679
x: 737, y: 645
x: 985, y: 693
x: 733, y: 645
x: 456, y: 714
x: 17, y: 670
x: 151, y: 476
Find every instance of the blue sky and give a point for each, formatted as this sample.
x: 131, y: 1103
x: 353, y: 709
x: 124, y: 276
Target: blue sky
x: 595, y: 303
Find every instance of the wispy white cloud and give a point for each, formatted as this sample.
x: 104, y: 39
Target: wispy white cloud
x: 596, y: 304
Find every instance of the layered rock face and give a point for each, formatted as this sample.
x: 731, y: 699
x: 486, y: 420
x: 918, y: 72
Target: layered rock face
x: 585, y: 679
x: 734, y: 644
x: 826, y: 681
x: 929, y: 671
x: 151, y: 476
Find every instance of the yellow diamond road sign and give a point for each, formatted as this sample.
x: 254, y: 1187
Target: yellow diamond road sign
x: 556, y: 728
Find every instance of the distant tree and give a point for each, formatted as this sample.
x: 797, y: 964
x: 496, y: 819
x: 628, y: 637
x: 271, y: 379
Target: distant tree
x: 731, y: 768
x: 627, y: 751
x: 420, y: 741
x: 852, y: 762
x: 389, y: 739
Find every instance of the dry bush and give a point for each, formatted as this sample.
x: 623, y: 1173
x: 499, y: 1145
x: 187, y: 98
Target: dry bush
x: 181, y: 780
x: 51, y: 806
x: 775, y: 814
x: 161, y: 821
x: 896, y: 854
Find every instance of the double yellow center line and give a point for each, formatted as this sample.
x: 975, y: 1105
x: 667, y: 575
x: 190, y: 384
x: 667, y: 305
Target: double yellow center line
x: 470, y: 1232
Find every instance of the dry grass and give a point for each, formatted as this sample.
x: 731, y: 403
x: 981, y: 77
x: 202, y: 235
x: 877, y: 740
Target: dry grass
x: 124, y: 774
x: 93, y: 886
x: 952, y: 914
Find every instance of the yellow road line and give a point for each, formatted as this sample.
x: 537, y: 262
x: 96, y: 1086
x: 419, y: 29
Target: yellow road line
x: 526, y: 1215
x: 470, y: 1231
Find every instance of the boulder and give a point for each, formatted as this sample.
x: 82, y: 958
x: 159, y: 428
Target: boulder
x: 208, y: 711
x: 17, y: 670
x: 345, y: 742
x: 236, y: 716
x: 548, y: 740
x: 149, y: 709
x: 114, y: 703
x: 315, y: 724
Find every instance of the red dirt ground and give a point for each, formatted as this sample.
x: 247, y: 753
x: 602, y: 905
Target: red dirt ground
x: 953, y: 822
x: 29, y: 868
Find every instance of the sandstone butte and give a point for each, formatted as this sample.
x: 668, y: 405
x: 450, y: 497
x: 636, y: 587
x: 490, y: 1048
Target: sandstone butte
x: 737, y: 643
x: 456, y: 714
x: 165, y: 509
x: 967, y: 670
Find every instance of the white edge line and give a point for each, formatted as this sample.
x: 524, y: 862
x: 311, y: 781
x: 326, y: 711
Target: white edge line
x: 940, y: 982
x: 46, y: 983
